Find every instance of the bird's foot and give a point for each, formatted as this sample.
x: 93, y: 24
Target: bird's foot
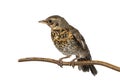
x: 72, y: 63
x: 60, y: 63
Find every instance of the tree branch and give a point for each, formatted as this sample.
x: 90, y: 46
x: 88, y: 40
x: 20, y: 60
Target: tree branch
x: 95, y: 62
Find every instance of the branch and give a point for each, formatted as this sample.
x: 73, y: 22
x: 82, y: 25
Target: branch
x: 95, y: 62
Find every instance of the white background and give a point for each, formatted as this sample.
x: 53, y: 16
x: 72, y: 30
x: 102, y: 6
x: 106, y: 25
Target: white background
x: 22, y: 36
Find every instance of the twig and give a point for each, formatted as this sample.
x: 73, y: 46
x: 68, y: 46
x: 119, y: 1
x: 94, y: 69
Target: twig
x: 95, y: 62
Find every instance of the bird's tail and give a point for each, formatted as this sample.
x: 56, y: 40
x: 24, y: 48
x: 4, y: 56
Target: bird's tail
x: 86, y: 68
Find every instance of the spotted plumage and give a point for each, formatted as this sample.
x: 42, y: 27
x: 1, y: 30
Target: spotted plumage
x: 64, y: 41
x: 69, y: 41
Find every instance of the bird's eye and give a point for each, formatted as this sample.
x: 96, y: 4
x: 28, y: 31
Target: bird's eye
x: 50, y: 21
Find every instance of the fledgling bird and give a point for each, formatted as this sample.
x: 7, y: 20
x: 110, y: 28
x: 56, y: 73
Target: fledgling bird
x: 69, y: 41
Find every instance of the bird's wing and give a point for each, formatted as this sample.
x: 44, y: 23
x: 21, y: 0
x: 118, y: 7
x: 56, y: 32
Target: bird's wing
x: 78, y: 37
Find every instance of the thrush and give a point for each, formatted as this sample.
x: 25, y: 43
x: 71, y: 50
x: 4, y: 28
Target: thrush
x: 69, y: 41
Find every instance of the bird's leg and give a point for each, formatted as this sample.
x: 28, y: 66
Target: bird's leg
x: 72, y: 62
x: 60, y: 62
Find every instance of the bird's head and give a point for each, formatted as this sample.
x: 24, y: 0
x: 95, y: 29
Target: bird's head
x: 55, y: 21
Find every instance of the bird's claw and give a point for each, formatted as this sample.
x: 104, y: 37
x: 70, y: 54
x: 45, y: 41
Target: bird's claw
x: 72, y: 64
x: 60, y: 63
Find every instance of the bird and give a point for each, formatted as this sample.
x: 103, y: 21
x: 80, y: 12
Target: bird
x: 69, y: 41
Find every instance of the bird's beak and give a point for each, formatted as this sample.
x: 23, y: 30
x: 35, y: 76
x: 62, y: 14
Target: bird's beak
x: 43, y: 21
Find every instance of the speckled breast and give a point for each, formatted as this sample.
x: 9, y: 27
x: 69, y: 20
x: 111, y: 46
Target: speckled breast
x: 64, y: 41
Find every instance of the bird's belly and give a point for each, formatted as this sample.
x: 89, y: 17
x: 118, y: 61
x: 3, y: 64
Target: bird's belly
x: 67, y: 47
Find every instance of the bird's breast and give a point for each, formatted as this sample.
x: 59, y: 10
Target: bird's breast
x: 64, y: 41
x: 61, y: 35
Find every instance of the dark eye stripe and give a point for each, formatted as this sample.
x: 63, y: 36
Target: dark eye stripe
x: 57, y: 24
